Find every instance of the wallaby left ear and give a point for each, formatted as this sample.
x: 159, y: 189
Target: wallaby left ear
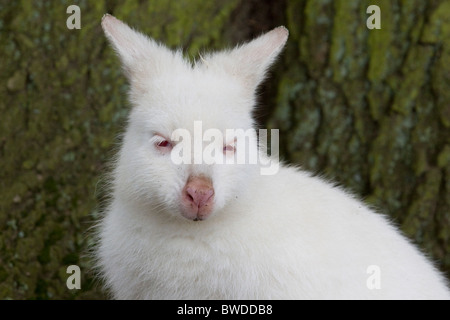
x: 140, y: 55
x: 250, y: 61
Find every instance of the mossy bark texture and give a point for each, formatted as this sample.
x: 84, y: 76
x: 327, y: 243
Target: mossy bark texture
x: 63, y: 105
x: 369, y: 109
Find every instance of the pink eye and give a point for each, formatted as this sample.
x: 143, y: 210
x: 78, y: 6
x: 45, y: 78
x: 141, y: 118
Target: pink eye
x: 229, y: 149
x: 164, y: 144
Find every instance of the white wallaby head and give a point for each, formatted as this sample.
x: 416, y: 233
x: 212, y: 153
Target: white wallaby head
x: 169, y: 93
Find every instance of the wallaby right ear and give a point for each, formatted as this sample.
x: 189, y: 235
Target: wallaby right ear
x: 249, y: 62
x: 137, y: 52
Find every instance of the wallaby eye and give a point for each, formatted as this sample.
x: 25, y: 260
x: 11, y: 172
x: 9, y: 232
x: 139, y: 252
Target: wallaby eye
x: 229, y: 149
x: 162, y: 144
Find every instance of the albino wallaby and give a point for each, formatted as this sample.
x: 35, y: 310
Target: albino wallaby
x: 196, y: 230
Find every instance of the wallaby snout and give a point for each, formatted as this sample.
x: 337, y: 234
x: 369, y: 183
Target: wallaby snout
x: 197, y: 198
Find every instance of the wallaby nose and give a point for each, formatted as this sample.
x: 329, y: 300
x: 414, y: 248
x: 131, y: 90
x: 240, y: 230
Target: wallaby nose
x: 197, y: 198
x: 199, y: 195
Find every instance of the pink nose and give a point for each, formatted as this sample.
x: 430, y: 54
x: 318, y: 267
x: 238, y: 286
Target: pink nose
x: 197, y: 198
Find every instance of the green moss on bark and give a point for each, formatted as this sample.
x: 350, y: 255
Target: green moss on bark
x: 372, y: 107
x: 63, y: 103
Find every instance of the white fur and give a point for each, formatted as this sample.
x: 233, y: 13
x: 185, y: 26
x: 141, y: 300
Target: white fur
x: 283, y: 236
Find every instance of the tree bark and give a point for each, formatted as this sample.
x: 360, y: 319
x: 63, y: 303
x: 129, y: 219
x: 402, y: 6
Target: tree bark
x: 370, y: 108
x: 63, y: 105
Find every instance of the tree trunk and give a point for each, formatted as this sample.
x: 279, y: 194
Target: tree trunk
x: 370, y: 108
x: 63, y: 103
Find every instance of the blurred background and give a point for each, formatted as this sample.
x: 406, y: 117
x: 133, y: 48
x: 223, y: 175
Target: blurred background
x: 369, y: 109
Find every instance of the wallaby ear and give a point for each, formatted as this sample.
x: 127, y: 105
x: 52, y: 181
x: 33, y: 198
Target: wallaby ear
x: 250, y: 61
x: 139, y: 54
